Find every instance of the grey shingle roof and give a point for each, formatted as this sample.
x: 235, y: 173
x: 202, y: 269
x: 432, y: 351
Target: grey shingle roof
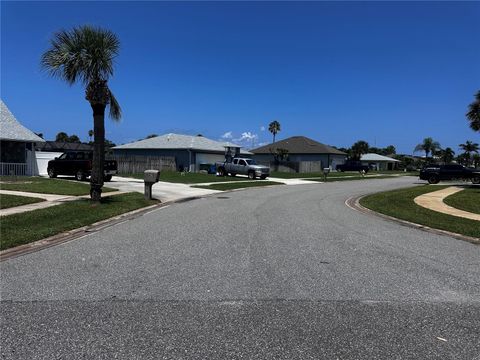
x: 177, y: 141
x: 298, y: 145
x: 11, y: 129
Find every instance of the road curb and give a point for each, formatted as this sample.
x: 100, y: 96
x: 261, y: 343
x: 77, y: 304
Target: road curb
x: 354, y: 203
x: 74, y: 234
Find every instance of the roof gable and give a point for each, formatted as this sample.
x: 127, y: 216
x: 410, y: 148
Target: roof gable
x: 298, y: 145
x: 11, y: 129
x: 376, y: 157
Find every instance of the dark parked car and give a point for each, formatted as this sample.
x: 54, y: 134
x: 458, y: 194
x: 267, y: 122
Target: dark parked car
x: 352, y: 166
x: 435, y: 173
x: 79, y: 164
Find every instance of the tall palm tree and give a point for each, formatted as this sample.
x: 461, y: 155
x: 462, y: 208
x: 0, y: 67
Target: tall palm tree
x: 473, y: 114
x: 274, y: 128
x: 85, y: 54
x: 429, y: 146
x: 468, y: 148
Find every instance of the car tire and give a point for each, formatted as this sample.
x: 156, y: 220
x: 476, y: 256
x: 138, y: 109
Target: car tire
x: 476, y: 180
x: 251, y: 175
x: 221, y: 172
x: 263, y: 177
x: 433, y: 179
x: 80, y: 175
x: 107, y: 178
x: 233, y: 174
x: 51, y: 173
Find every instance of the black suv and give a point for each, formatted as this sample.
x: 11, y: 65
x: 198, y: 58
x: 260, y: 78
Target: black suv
x: 79, y: 164
x: 434, y: 173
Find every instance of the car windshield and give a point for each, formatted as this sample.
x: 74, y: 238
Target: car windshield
x: 251, y: 162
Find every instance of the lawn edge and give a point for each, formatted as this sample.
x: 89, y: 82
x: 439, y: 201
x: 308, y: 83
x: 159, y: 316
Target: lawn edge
x: 73, y: 234
x: 354, y: 203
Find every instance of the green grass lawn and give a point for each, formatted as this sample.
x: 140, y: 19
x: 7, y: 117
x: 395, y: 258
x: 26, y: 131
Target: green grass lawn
x: 467, y: 199
x: 41, y: 185
x: 400, y: 204
x: 285, y: 175
x: 8, y: 201
x: 231, y: 186
x: 190, y: 178
x: 34, y: 225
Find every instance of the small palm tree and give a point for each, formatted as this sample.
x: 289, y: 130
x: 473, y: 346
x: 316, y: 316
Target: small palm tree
x: 468, y: 148
x: 447, y: 155
x: 473, y: 114
x: 85, y: 54
x: 359, y: 148
x: 274, y: 128
x: 428, y: 145
x: 90, y: 134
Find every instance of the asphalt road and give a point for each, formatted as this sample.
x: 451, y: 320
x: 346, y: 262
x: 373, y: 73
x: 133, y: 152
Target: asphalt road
x: 286, y: 272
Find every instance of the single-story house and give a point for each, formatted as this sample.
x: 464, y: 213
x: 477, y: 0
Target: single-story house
x: 49, y: 150
x: 17, y: 155
x: 188, y: 151
x: 379, y: 162
x: 301, y: 149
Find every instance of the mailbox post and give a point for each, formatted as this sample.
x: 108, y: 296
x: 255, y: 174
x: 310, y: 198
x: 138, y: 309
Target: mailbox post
x: 150, y: 177
x: 326, y: 171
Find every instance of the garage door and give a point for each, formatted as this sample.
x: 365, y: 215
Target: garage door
x: 202, y: 158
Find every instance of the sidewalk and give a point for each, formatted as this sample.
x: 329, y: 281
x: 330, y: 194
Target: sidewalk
x: 434, y: 201
x: 51, y: 200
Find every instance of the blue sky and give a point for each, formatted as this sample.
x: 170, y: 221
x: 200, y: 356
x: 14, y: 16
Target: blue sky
x: 338, y: 72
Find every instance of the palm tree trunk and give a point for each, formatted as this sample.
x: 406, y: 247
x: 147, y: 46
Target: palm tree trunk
x: 273, y: 137
x: 96, y: 180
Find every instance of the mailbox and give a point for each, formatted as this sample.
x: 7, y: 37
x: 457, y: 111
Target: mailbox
x: 150, y: 177
x: 326, y: 171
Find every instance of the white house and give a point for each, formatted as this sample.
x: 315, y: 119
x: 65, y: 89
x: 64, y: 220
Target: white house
x: 380, y: 162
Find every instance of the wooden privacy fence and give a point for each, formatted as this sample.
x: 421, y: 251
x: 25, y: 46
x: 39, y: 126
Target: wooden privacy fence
x: 294, y: 166
x: 139, y: 163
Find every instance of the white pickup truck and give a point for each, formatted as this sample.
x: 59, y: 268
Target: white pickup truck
x: 243, y: 166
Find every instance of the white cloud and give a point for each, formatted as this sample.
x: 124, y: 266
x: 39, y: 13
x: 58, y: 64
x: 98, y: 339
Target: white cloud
x: 247, y: 136
x: 227, y: 135
x: 262, y: 128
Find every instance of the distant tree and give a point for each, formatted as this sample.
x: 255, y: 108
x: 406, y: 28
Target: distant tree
x: 390, y: 150
x: 473, y: 114
x: 359, y: 148
x: 429, y: 146
x: 447, y: 155
x: 476, y: 160
x: 73, y: 139
x: 463, y: 159
x: 468, y: 148
x: 62, y: 137
x: 90, y: 135
x: 274, y: 128
x: 39, y: 135
x: 85, y: 54
x: 109, y: 144
x: 154, y: 135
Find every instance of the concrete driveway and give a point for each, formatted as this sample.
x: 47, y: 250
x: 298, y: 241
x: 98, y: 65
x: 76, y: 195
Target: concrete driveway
x: 163, y: 191
x: 268, y: 273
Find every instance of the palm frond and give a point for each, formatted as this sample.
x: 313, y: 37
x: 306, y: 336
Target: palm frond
x: 115, y: 110
x: 84, y: 53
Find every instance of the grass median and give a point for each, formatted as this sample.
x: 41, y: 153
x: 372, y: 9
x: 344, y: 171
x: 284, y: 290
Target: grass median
x: 34, y: 225
x: 9, y: 201
x: 232, y: 186
x: 41, y: 185
x: 467, y: 199
x: 400, y: 204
